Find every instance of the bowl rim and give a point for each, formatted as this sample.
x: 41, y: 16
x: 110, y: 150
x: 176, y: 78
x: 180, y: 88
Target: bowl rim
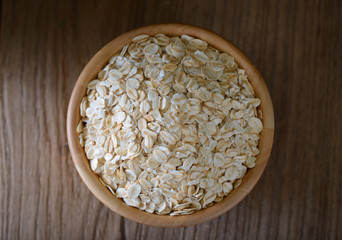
x: 100, y: 59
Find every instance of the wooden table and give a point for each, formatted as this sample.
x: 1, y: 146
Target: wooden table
x: 296, y: 45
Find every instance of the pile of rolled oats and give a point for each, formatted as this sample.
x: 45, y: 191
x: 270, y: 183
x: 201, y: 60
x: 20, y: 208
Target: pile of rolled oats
x: 170, y: 125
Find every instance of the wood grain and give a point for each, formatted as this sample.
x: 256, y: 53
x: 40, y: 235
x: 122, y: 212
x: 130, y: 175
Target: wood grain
x: 296, y: 45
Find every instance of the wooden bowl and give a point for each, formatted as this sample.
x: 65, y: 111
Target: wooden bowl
x: 117, y: 205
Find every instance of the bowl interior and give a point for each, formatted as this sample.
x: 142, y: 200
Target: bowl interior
x: 117, y: 205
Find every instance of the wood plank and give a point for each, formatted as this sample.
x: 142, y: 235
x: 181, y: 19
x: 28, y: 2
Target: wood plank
x: 296, y: 45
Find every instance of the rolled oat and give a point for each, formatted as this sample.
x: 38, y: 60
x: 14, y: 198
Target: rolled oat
x: 170, y: 125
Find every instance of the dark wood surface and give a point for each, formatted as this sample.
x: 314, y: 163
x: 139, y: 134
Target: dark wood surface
x: 296, y: 45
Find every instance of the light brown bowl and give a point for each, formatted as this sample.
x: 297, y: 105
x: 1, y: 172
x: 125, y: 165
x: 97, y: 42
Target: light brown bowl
x: 117, y: 205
